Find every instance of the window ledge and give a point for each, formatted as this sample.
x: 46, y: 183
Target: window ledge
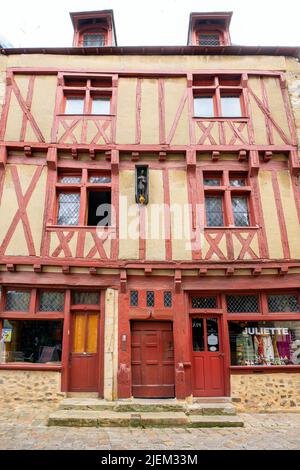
x: 51, y: 228
x: 233, y: 227
x: 85, y: 115
x: 220, y: 118
x: 265, y: 369
x: 30, y: 366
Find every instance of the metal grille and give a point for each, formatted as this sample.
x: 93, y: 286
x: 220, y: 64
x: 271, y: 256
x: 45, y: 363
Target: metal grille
x: 89, y: 298
x: 51, y: 301
x: 240, y: 211
x: 283, y: 303
x: 168, y: 299
x: 68, y: 209
x: 209, y: 40
x: 93, y: 40
x: 211, y: 181
x: 100, y: 179
x: 204, y: 302
x: 242, y: 304
x: 150, y: 298
x: 70, y: 179
x: 134, y: 298
x: 17, y: 301
x: 214, y: 212
x: 237, y: 182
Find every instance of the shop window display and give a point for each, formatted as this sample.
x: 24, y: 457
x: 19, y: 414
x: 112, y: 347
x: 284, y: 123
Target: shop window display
x: 272, y: 343
x: 31, y: 341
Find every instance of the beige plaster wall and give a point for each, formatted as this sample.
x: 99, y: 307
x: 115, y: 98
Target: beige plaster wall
x: 266, y: 392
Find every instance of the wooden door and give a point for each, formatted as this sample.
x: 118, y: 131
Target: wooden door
x: 207, y: 357
x: 152, y: 360
x: 84, y: 355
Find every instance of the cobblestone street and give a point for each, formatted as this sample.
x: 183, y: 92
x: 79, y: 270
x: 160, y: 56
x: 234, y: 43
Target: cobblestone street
x: 28, y: 430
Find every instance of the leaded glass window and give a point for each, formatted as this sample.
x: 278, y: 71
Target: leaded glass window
x: 168, y: 299
x: 68, y: 208
x: 212, y: 39
x: 242, y: 303
x: 150, y: 298
x: 82, y: 297
x: 214, y: 211
x: 283, y: 303
x: 134, y: 298
x: 94, y: 40
x: 240, y: 211
x: 17, y: 300
x: 204, y: 302
x: 51, y: 301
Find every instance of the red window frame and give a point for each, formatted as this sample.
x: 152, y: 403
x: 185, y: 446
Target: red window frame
x: 83, y: 189
x: 205, y: 86
x: 226, y: 191
x: 87, y: 89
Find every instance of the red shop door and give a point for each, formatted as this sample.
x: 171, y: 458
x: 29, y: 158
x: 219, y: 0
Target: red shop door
x: 84, y: 356
x: 207, y: 357
x: 152, y: 360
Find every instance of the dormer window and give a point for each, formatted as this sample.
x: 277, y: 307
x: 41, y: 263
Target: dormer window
x: 209, y: 39
x: 93, y: 40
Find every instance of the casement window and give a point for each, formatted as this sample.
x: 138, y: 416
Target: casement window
x: 209, y: 39
x: 85, y: 298
x: 218, y: 97
x: 227, y: 199
x: 93, y: 40
x: 283, y: 303
x: 242, y: 303
x: 204, y: 302
x: 134, y: 298
x: 150, y: 298
x: 17, y: 300
x: 87, y: 96
x: 83, y: 198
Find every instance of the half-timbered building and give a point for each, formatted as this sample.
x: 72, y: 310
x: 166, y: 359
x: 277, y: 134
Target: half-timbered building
x: 150, y: 218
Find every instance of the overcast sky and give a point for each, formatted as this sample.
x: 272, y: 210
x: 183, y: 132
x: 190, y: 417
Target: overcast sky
x: 34, y: 23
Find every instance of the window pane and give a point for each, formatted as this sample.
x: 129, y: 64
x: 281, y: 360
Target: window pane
x: 79, y: 333
x: 204, y: 106
x: 90, y: 298
x: 212, y: 181
x: 68, y: 209
x: 240, y: 211
x: 204, y: 302
x: 265, y: 343
x: 198, y: 334
x: 74, y: 106
x: 31, y: 341
x: 51, y: 301
x: 150, y: 298
x: 231, y: 106
x: 92, y: 333
x: 212, y: 332
x: 168, y: 299
x: 242, y: 304
x: 93, y: 40
x: 101, y: 106
x: 283, y: 303
x: 209, y: 39
x: 134, y: 298
x: 100, y: 179
x: 237, y: 182
x: 214, y: 211
x: 70, y: 179
x: 17, y: 300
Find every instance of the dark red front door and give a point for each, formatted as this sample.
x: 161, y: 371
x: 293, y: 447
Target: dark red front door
x: 84, y: 356
x: 152, y: 360
x: 208, y: 357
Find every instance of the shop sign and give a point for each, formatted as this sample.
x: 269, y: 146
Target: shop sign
x: 266, y: 331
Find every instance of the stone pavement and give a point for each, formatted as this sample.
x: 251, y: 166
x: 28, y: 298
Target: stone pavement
x: 27, y: 429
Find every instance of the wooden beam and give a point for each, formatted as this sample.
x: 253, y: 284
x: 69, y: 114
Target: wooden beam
x: 268, y: 156
x: 191, y: 160
x: 52, y: 158
x: 123, y: 281
x: 27, y: 151
x: 294, y: 163
x: 254, y: 163
x: 135, y: 156
x: 215, y: 156
x: 242, y: 156
x: 177, y: 281
x: 3, y: 156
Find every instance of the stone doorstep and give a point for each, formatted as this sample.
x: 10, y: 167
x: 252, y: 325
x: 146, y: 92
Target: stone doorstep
x: 117, y: 419
x: 149, y: 406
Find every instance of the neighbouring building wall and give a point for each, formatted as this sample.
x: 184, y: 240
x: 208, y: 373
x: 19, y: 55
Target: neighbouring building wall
x: 111, y: 344
x: 293, y: 81
x: 27, y: 387
x: 266, y: 392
